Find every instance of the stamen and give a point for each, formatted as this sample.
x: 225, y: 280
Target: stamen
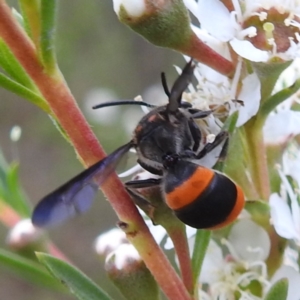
x: 230, y: 249
x: 262, y: 265
x: 262, y: 15
x: 247, y: 32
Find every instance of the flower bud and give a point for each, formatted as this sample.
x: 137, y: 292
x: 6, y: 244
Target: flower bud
x: 109, y: 241
x: 163, y: 23
x: 166, y: 23
x: 24, y: 234
x: 130, y: 274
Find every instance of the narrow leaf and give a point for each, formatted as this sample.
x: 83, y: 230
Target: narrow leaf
x: 271, y: 103
x: 17, y: 199
x: 78, y: 283
x: 278, y: 291
x: 230, y: 123
x: 27, y: 269
x: 48, y: 10
x: 201, y: 243
x: 11, y: 66
x: 23, y: 92
x: 32, y: 23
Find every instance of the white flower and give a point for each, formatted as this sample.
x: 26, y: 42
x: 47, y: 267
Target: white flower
x: 288, y: 77
x: 227, y: 275
x: 285, y: 217
x: 109, y: 241
x: 291, y: 162
x: 284, y: 123
x: 250, y: 27
x: 281, y: 125
x: 215, y: 90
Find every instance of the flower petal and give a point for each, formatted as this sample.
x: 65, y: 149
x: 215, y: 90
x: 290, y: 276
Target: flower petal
x: 246, y: 50
x: 281, y: 126
x: 250, y: 95
x: 250, y: 241
x: 134, y: 8
x: 282, y: 217
x: 213, y: 262
x: 220, y: 25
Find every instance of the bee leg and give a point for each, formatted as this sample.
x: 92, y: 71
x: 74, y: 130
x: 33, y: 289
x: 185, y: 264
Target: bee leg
x: 221, y: 137
x: 196, y: 134
x: 145, y: 183
x: 223, y: 152
x: 142, y: 203
x: 138, y: 199
x: 199, y: 114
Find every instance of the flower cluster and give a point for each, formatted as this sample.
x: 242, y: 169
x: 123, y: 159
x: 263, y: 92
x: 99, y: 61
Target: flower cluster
x: 261, y: 41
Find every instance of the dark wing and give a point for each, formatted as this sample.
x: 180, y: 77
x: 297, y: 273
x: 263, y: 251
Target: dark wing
x: 76, y: 195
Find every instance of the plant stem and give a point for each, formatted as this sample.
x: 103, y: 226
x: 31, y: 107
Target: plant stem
x: 8, y: 216
x: 64, y: 107
x: 258, y: 163
x: 204, y: 54
x: 178, y: 236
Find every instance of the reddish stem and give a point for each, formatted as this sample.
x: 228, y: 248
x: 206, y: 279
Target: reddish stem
x: 206, y: 55
x: 63, y: 105
x: 179, y: 239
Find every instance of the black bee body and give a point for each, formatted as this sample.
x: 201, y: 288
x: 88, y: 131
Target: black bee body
x: 167, y: 141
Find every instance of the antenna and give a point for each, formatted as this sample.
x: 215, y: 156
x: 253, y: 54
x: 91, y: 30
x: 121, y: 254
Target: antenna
x: 122, y: 102
x: 180, y: 85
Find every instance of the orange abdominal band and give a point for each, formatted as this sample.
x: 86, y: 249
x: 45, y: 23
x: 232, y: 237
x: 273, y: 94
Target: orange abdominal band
x: 188, y: 191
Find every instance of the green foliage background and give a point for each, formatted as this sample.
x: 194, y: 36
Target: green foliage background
x: 94, y: 50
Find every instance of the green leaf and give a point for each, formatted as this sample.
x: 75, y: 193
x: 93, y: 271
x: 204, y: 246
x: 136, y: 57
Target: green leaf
x: 201, y: 243
x: 268, y: 74
x: 24, y: 92
x: 31, y: 15
x: 230, y: 123
x: 10, y: 190
x: 278, y: 291
x: 11, y: 66
x: 78, y: 283
x: 48, y: 11
x: 270, y: 103
x: 17, y: 199
x: 27, y: 269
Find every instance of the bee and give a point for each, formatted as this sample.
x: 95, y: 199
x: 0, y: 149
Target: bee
x: 167, y: 142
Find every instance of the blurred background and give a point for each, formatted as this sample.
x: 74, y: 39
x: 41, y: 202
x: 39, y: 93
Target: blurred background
x: 102, y: 60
